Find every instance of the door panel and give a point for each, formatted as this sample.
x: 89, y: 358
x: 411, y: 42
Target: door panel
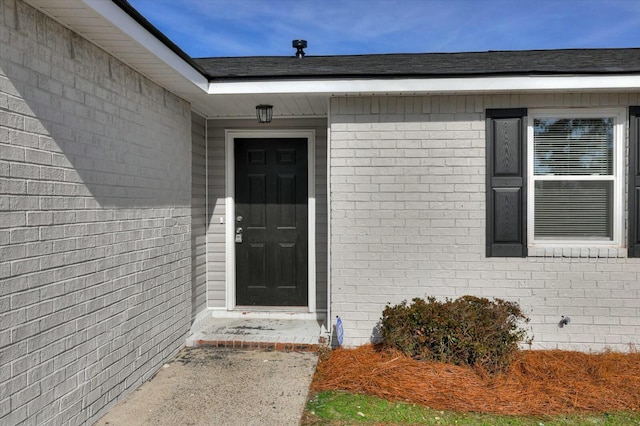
x: 286, y: 201
x: 257, y: 217
x: 271, y: 210
x: 258, y: 261
x: 286, y: 273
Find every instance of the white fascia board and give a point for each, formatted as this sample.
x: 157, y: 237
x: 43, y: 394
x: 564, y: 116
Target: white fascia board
x: 429, y: 85
x: 125, y: 23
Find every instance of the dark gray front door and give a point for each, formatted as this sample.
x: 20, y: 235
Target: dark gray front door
x: 271, y: 222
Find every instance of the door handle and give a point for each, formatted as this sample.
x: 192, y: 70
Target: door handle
x: 238, y: 234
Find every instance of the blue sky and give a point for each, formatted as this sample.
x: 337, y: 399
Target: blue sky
x: 338, y: 27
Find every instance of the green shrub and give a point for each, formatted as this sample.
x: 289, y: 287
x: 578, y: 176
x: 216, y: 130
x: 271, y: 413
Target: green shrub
x: 469, y: 330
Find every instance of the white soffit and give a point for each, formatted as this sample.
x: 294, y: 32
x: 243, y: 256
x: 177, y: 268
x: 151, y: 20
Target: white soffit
x: 244, y: 106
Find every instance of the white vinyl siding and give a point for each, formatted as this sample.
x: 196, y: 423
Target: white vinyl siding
x: 198, y: 215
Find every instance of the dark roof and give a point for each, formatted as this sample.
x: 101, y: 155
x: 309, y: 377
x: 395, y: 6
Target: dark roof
x: 527, y: 62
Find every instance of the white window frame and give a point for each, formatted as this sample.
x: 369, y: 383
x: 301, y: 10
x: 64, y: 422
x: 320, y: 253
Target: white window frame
x: 619, y: 117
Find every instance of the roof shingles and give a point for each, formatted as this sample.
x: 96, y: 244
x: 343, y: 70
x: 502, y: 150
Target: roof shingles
x: 435, y: 65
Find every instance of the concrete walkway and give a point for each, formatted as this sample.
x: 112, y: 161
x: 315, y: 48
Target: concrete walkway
x: 215, y: 382
x: 221, y: 386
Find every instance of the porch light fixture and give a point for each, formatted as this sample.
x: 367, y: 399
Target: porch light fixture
x: 264, y: 113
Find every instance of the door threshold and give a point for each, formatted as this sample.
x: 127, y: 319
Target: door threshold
x: 268, y: 312
x: 253, y: 308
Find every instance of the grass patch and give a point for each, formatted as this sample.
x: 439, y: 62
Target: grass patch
x: 342, y: 408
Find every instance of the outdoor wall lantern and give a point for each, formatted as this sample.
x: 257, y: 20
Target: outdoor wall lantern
x: 264, y: 113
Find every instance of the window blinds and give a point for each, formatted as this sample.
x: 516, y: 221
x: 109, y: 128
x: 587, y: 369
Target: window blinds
x: 573, y: 146
x: 572, y: 207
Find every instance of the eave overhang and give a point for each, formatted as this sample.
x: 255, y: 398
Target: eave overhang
x: 121, y: 31
x: 115, y: 30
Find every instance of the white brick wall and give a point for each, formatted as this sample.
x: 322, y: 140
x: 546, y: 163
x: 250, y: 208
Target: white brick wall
x: 95, y: 164
x: 408, y: 220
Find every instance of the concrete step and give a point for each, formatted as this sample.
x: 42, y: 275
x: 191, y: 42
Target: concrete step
x: 259, y: 333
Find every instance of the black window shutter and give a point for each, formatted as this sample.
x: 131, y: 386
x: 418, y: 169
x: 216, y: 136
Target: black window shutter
x: 506, y: 182
x: 633, y: 249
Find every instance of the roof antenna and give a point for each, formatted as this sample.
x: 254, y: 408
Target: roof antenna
x: 299, y: 44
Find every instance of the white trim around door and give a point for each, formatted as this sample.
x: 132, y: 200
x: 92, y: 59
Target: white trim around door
x: 230, y: 259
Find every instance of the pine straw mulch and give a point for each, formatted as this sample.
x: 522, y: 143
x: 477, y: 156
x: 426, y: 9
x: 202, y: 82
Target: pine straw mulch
x: 537, y: 382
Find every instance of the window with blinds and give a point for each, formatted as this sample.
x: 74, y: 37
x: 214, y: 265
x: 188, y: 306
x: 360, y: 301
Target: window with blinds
x: 573, y: 178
